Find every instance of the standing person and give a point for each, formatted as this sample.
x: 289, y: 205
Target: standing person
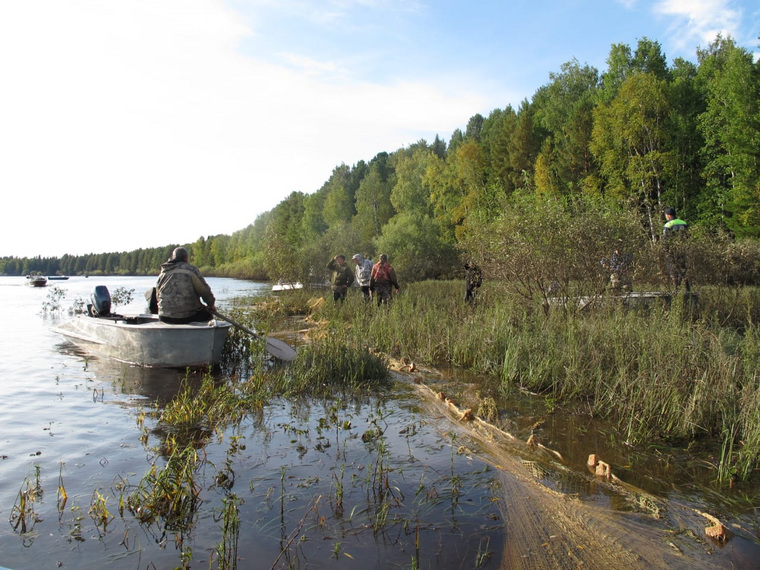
x: 363, y: 272
x: 619, y: 265
x: 342, y: 277
x: 673, y: 236
x: 383, y: 280
x: 473, y: 279
x: 179, y: 291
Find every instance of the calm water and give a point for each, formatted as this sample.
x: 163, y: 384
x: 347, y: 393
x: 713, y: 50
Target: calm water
x: 311, y: 489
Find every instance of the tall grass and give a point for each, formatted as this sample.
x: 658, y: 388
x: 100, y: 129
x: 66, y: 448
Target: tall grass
x: 661, y: 373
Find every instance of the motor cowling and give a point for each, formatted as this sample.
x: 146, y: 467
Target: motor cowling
x: 101, y: 301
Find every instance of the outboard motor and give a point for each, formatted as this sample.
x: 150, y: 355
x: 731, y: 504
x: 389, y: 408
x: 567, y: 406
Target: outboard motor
x: 101, y: 302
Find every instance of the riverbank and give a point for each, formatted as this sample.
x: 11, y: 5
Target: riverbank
x: 665, y: 375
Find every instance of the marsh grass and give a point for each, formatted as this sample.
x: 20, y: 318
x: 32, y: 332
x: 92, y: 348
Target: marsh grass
x: 665, y: 374
x: 169, y: 494
x: 226, y: 551
x: 337, y: 362
x: 195, y: 413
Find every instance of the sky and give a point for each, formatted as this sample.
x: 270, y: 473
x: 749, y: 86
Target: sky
x: 129, y: 124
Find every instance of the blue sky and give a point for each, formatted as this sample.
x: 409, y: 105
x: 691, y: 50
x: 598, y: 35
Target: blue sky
x: 140, y: 123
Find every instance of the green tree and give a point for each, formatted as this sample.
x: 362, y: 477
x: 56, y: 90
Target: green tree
x: 339, y: 204
x: 731, y: 129
x: 564, y: 109
x: 630, y: 140
x: 373, y: 204
x: 415, y: 248
x: 410, y: 192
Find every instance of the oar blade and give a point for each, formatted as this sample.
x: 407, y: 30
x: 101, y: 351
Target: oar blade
x: 280, y: 349
x: 277, y: 348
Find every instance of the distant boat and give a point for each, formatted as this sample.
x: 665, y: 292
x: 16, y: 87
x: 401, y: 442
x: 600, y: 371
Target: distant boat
x: 36, y: 280
x: 282, y: 285
x: 58, y: 277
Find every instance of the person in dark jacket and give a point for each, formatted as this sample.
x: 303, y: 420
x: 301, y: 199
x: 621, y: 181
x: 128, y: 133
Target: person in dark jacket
x: 342, y: 277
x: 674, y: 234
x: 179, y: 291
x: 383, y: 280
x: 619, y: 265
x: 473, y: 279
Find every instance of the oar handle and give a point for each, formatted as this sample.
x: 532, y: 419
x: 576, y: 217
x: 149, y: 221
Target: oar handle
x: 238, y: 325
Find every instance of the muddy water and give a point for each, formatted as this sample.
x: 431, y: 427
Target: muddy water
x: 650, y: 513
x: 394, y: 480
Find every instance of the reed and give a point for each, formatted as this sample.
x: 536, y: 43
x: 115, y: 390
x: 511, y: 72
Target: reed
x: 226, y: 551
x: 334, y: 363
x: 662, y: 374
x: 170, y: 494
x: 195, y: 413
x: 99, y: 512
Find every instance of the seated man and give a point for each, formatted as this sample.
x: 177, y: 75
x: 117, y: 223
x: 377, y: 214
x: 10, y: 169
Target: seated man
x: 180, y: 289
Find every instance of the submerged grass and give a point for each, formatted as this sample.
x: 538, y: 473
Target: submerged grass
x: 665, y: 373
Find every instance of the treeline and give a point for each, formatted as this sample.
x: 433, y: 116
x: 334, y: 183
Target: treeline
x: 638, y: 137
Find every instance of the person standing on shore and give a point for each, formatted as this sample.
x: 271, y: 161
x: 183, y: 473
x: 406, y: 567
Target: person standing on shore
x: 342, y: 277
x: 473, y: 279
x: 383, y: 281
x: 674, y: 235
x: 619, y: 265
x: 363, y: 272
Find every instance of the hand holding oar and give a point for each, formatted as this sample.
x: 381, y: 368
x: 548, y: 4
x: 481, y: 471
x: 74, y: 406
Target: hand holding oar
x: 276, y: 347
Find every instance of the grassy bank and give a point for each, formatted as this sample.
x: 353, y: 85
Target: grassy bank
x: 664, y: 374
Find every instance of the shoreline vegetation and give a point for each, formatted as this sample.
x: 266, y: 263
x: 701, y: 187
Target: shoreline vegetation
x: 670, y: 374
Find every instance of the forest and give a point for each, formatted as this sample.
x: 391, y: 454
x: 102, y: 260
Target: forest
x: 591, y: 158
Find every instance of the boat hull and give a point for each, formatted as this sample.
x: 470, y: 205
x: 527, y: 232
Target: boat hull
x: 143, y: 340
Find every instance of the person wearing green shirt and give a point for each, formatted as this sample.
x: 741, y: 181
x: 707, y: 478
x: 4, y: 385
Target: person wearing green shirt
x: 674, y: 234
x: 342, y: 277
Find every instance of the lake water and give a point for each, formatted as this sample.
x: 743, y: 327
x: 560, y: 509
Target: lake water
x: 308, y: 487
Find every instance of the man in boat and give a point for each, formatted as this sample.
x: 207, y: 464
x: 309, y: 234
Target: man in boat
x: 180, y: 289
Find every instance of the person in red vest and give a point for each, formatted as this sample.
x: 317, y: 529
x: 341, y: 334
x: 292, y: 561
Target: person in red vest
x: 383, y: 281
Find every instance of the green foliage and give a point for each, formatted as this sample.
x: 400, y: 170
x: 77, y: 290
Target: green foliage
x: 415, y: 248
x: 546, y: 247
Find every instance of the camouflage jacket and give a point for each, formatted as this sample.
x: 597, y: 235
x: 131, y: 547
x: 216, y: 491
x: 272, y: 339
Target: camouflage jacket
x: 180, y: 288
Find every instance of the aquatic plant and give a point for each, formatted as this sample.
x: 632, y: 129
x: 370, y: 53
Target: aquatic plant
x: 99, y: 513
x: 334, y: 362
x: 170, y: 494
x: 194, y: 413
x: 52, y: 303
x: 122, y: 296
x: 226, y: 550
x: 23, y: 516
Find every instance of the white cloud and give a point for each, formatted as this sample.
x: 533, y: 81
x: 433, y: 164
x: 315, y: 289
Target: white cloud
x: 137, y: 124
x: 699, y: 21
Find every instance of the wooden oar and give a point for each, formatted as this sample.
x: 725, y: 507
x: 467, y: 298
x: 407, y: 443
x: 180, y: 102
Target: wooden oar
x: 276, y: 347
